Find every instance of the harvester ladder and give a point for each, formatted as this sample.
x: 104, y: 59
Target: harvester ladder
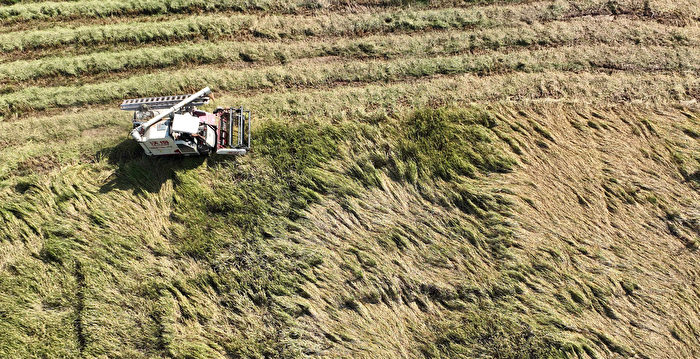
x: 160, y: 102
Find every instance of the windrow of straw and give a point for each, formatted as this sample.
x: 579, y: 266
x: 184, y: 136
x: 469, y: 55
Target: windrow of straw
x: 86, y: 9
x: 295, y: 26
x: 100, y: 8
x: 314, y: 74
x: 90, y: 9
x: 581, y: 31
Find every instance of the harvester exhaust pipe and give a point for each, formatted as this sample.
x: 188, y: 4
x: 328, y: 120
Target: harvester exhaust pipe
x: 138, y: 132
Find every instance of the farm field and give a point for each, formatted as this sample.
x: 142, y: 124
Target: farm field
x: 428, y: 179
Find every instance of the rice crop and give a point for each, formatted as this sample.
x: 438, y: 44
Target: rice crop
x: 425, y: 44
x: 427, y: 179
x: 287, y: 26
x: 581, y: 58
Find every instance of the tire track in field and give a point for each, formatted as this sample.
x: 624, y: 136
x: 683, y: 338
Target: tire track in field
x: 79, y: 306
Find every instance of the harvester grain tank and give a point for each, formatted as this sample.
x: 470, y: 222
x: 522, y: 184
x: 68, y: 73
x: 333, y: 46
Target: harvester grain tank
x: 173, y: 125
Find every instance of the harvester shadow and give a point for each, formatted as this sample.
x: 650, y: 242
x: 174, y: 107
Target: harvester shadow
x: 140, y: 173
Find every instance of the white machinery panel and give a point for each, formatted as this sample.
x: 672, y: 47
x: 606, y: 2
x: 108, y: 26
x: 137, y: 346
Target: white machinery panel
x: 157, y: 140
x: 185, y: 123
x: 161, y: 146
x: 211, y: 137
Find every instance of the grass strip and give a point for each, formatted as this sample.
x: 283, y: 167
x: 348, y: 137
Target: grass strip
x: 99, y: 8
x: 91, y: 9
x: 548, y: 34
x: 295, y: 26
x: 313, y: 74
x: 14, y: 2
x: 21, y: 11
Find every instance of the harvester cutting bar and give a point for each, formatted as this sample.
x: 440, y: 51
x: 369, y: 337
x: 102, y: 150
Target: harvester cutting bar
x: 235, y: 128
x: 159, y: 102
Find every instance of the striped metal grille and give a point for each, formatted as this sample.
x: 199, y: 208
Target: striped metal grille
x: 159, y: 102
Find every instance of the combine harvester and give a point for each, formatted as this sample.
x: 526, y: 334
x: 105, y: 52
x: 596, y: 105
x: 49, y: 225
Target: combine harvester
x: 172, y: 125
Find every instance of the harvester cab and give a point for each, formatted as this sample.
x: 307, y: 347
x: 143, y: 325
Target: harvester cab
x: 172, y: 125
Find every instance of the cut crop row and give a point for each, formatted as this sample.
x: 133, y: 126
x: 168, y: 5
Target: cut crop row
x: 101, y: 8
x: 288, y: 26
x: 90, y: 9
x: 307, y: 8
x: 312, y: 74
x: 549, y: 34
x: 14, y: 2
x: 67, y: 10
